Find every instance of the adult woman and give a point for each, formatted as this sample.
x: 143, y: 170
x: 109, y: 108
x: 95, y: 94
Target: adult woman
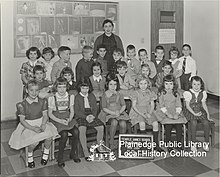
x: 110, y: 40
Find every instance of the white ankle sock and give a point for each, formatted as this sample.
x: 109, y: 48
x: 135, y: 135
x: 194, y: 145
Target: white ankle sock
x: 46, y: 153
x: 30, y: 157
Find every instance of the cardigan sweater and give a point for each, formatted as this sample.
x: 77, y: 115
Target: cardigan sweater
x: 79, y: 107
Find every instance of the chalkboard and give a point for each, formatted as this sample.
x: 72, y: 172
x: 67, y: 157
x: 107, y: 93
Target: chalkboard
x: 136, y: 146
x: 55, y: 23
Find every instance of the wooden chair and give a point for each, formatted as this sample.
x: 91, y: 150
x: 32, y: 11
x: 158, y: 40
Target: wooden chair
x: 199, y: 128
x: 184, y: 132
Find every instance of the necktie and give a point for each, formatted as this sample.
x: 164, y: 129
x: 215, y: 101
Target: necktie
x: 184, y: 65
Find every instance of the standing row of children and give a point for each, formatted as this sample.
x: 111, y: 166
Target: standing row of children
x: 72, y: 106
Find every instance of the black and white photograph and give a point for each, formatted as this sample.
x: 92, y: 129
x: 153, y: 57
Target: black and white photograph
x: 110, y: 88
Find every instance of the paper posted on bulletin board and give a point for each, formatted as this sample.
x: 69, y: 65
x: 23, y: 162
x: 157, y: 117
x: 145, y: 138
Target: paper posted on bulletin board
x: 167, y: 36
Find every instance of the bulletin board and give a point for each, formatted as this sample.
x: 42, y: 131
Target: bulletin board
x: 74, y: 24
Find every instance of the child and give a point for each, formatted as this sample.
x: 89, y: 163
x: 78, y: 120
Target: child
x: 113, y: 107
x: 61, y: 113
x: 97, y: 80
x: 47, y: 55
x: 142, y: 110
x: 117, y: 56
x: 166, y: 69
x: 142, y: 53
x: 169, y: 110
x: 196, y: 109
x: 188, y: 66
x: 68, y: 74
x: 64, y: 61
x: 26, y: 71
x: 159, y: 58
x: 86, y: 108
x: 101, y: 51
x: 174, y: 53
x: 145, y: 72
x: 84, y: 66
x: 132, y: 63
x: 34, y: 126
x: 127, y: 84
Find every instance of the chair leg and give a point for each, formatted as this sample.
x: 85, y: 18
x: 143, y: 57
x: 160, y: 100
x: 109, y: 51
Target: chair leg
x: 135, y: 129
x: 26, y: 156
x: 212, y: 126
x: 189, y: 132
x: 106, y: 135
x: 184, y: 133
x: 162, y: 132
x: 52, y: 149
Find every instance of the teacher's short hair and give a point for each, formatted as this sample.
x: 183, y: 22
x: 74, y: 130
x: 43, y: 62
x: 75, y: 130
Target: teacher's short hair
x: 107, y: 21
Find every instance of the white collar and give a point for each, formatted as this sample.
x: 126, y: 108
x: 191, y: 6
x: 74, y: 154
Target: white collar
x: 83, y: 95
x: 173, y: 61
x: 32, y: 63
x: 97, y: 78
x: 32, y: 101
x: 59, y: 96
x: 71, y: 82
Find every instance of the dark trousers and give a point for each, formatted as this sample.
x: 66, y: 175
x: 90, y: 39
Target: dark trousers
x: 74, y: 153
x: 184, y: 81
x: 168, y: 129
x: 205, y: 127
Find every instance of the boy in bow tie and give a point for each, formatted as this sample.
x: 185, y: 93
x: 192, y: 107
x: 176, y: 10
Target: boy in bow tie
x: 84, y: 65
x: 132, y: 63
x: 64, y: 61
x: 159, y: 58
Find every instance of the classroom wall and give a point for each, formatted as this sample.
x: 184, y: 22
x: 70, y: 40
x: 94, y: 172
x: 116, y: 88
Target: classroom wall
x: 201, y: 31
x: 134, y: 28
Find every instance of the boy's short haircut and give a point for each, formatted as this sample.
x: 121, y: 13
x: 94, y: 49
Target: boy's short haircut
x: 61, y: 49
x: 101, y: 46
x: 167, y: 62
x: 186, y: 45
x: 107, y: 21
x: 48, y: 50
x: 86, y: 48
x: 174, y: 49
x: 38, y: 68
x: 31, y: 82
x: 130, y: 47
x: 118, y: 50
x: 142, y: 50
x: 33, y: 49
x: 121, y: 64
x: 159, y: 47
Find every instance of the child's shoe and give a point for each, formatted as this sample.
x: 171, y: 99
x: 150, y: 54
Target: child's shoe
x: 31, y: 164
x: 193, y: 148
x: 61, y: 164
x: 45, y: 157
x: 206, y: 148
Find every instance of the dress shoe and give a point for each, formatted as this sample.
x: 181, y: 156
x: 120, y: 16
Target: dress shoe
x: 61, y: 164
x: 31, y: 164
x: 87, y: 159
x: 169, y: 149
x: 43, y: 162
x: 157, y: 148
x: 77, y: 160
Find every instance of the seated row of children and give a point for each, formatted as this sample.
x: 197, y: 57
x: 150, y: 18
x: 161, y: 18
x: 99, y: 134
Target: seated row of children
x: 69, y: 113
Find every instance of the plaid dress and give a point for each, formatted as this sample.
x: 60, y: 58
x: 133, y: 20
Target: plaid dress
x: 82, y: 112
